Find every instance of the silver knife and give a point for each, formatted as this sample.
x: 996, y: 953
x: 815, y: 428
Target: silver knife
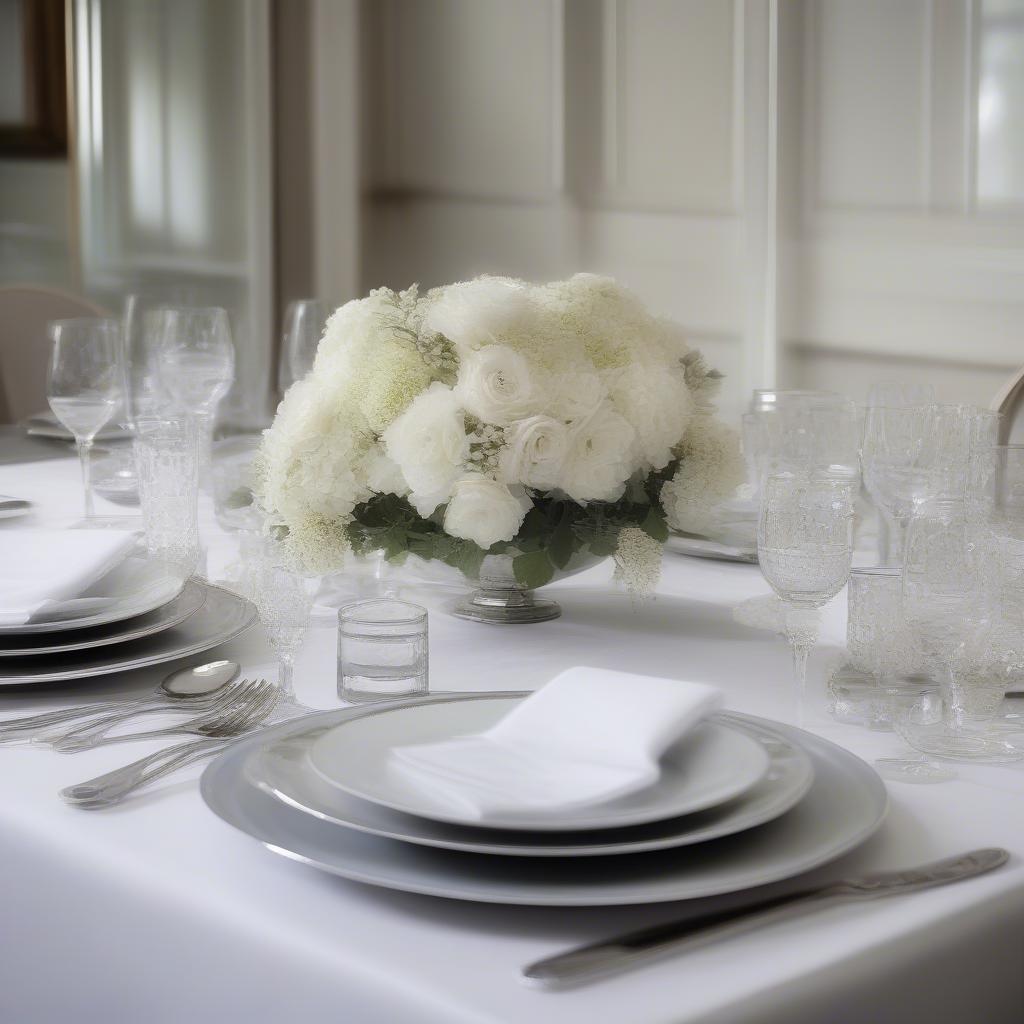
x: 8, y: 503
x: 590, y: 962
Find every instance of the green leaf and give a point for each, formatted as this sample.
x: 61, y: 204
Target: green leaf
x: 654, y: 525
x: 563, y: 543
x: 604, y: 543
x: 533, y: 569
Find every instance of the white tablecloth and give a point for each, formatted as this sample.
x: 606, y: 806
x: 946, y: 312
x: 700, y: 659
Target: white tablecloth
x: 157, y: 911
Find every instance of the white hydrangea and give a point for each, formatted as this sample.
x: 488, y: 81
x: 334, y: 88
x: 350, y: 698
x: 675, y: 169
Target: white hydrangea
x: 657, y: 404
x: 710, y: 470
x: 481, y: 312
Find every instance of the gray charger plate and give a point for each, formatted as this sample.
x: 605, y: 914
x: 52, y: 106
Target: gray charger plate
x: 282, y: 770
x: 223, y: 617
x: 845, y: 805
x: 185, y: 605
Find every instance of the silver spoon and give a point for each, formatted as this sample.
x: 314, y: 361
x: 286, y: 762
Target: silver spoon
x: 199, y: 681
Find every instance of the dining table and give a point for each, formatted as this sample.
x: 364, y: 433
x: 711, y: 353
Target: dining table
x: 158, y: 911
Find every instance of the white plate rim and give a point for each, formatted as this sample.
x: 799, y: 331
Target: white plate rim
x: 736, y: 819
x: 157, y: 658
x: 623, y: 819
x: 192, y: 589
x: 225, y: 806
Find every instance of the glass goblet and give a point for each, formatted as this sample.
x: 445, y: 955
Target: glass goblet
x: 304, y: 322
x: 284, y: 600
x: 804, y: 548
x: 83, y: 383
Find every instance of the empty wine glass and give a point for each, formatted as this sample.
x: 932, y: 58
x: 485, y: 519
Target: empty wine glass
x: 84, y: 383
x: 804, y: 548
x: 304, y: 322
x: 949, y: 604
x: 197, y: 367
x: 284, y: 600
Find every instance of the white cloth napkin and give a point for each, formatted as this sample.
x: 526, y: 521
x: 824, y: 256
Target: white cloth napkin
x: 587, y: 737
x: 41, y: 568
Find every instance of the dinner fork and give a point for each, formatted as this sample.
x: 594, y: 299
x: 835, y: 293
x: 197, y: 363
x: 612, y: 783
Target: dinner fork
x: 112, y: 787
x: 94, y: 733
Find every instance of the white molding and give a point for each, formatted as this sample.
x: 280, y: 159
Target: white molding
x: 611, y: 95
x: 334, y: 47
x: 558, y: 95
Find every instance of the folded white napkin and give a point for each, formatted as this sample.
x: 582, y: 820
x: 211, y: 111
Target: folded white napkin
x: 41, y: 568
x: 588, y: 736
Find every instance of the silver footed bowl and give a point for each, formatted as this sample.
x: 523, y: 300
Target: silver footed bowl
x: 497, y: 597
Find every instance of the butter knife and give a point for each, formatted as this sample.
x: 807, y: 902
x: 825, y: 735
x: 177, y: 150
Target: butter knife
x: 9, y: 504
x: 640, y: 947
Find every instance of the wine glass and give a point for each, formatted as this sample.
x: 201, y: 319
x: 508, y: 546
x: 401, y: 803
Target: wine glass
x: 952, y: 607
x: 304, y: 322
x: 84, y: 383
x: 804, y: 548
x: 284, y: 600
x: 197, y: 366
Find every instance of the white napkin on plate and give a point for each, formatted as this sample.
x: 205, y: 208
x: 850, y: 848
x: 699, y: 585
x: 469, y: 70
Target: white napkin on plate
x: 40, y: 568
x: 587, y: 737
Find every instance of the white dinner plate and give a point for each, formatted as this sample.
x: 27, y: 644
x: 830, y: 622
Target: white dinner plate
x: 224, y: 615
x: 844, y: 806
x: 134, y: 587
x: 279, y: 767
x: 712, y: 764
x: 186, y: 604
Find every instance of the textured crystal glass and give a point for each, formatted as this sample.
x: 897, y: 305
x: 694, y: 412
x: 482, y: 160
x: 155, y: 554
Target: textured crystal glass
x: 167, y: 469
x: 84, y: 383
x: 382, y: 650
x: 804, y: 548
x: 877, y: 640
x: 951, y: 604
x: 284, y: 600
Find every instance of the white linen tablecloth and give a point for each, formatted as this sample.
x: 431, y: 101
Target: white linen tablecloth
x: 157, y: 911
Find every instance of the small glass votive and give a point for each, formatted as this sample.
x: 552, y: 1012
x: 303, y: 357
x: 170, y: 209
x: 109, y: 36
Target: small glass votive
x: 382, y: 650
x: 167, y: 468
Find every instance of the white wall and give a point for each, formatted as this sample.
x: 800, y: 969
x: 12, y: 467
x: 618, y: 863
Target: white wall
x: 833, y: 186
x: 34, y: 236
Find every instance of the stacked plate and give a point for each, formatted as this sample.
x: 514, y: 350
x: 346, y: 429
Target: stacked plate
x: 740, y: 802
x: 133, y: 617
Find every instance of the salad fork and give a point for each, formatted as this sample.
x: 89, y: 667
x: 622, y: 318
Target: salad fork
x: 112, y: 787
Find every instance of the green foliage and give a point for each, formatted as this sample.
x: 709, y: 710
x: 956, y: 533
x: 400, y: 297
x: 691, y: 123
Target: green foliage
x: 553, y: 532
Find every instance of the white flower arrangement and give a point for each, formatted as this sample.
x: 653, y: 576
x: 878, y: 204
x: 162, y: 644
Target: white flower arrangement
x: 495, y: 416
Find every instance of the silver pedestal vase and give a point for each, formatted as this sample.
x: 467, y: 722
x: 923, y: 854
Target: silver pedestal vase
x: 500, y: 599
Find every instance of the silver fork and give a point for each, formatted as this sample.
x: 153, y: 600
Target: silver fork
x: 112, y: 787
x: 93, y: 733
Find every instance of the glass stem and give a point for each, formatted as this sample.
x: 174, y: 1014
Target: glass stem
x: 802, y: 633
x: 84, y: 457
x: 895, y: 539
x: 285, y: 671
x: 204, y: 428
x: 953, y: 702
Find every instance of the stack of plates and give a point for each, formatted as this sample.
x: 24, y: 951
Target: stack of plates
x: 133, y: 617
x: 740, y: 802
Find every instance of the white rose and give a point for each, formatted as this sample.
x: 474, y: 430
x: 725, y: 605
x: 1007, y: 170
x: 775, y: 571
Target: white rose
x: 382, y: 474
x: 429, y: 445
x: 496, y: 386
x: 484, y: 511
x: 575, y: 395
x: 599, y: 461
x: 534, y: 452
x: 475, y: 313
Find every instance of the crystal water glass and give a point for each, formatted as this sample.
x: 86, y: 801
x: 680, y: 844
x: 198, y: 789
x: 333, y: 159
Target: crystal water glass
x: 804, y: 549
x: 877, y: 639
x: 167, y: 469
x: 950, y: 604
x: 304, y: 322
x: 197, y: 367
x: 84, y: 383
x: 283, y: 595
x: 382, y: 650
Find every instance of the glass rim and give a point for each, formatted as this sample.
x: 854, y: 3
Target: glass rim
x: 349, y: 613
x: 77, y: 321
x: 876, y: 570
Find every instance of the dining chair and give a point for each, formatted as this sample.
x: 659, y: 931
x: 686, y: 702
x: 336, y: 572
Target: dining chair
x: 25, y: 312
x: 1009, y: 401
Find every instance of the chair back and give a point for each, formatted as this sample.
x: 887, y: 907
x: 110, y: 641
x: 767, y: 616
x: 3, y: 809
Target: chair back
x: 25, y: 312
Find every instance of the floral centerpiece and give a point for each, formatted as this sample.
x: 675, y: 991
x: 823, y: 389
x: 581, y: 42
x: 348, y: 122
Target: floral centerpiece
x: 502, y: 428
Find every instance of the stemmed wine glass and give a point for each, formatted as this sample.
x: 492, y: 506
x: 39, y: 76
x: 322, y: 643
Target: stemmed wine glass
x: 197, y: 367
x: 284, y: 600
x: 84, y: 383
x: 804, y: 548
x: 304, y: 322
